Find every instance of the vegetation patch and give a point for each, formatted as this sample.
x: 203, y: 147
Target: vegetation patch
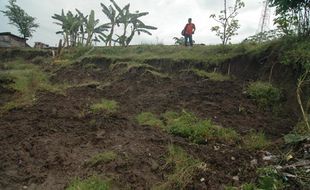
x: 148, y: 118
x: 27, y: 80
x: 215, y: 76
x: 91, y: 183
x: 265, y: 94
x: 101, y: 158
x: 110, y: 106
x: 255, y: 141
x: 185, y: 167
x: 187, y: 125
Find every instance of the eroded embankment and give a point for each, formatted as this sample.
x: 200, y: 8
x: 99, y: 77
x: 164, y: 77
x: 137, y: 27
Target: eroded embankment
x: 49, y: 143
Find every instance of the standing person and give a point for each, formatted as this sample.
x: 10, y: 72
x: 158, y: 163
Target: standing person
x: 189, y: 30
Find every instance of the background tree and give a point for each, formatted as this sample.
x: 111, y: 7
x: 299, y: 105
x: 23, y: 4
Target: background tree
x: 228, y: 23
x: 18, y: 17
x: 293, y: 16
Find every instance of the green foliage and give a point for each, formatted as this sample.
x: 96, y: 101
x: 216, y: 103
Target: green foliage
x: 102, y: 158
x: 179, y: 41
x: 255, y: 141
x: 77, y: 27
x: 91, y: 183
x: 27, y: 80
x: 269, y: 179
x: 122, y: 16
x: 212, y: 76
x: 293, y: 16
x: 185, y: 168
x: 148, y: 118
x: 228, y: 23
x: 187, y: 125
x: 18, y: 17
x: 265, y: 36
x: 264, y: 94
x: 109, y: 106
x: 295, y: 138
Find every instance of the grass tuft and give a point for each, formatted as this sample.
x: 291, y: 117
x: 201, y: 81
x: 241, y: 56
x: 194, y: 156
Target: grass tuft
x: 215, y: 76
x: 185, y: 167
x: 110, y: 106
x: 148, y: 118
x: 91, y: 183
x: 187, y: 125
x: 255, y: 141
x: 104, y: 157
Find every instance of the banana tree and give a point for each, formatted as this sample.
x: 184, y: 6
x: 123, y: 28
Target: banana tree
x: 138, y: 27
x: 70, y: 24
x: 123, y: 18
x: 92, y: 28
x: 110, y: 12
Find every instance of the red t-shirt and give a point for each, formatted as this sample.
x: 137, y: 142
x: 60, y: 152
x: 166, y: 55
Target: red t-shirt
x: 189, y: 28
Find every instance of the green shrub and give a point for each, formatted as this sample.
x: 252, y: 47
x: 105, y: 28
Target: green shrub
x: 264, y: 94
x: 104, y: 157
x: 255, y: 141
x: 185, y: 167
x: 91, y: 183
x: 148, y: 118
x: 109, y: 106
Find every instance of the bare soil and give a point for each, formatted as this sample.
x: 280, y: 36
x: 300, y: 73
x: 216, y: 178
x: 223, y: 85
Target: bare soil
x: 47, y: 145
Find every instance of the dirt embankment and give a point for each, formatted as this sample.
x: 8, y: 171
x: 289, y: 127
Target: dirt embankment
x: 46, y: 145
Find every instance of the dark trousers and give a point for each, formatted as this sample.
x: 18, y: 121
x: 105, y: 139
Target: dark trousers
x: 188, y: 38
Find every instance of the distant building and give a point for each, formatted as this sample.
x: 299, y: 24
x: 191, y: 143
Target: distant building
x: 40, y: 45
x: 8, y: 40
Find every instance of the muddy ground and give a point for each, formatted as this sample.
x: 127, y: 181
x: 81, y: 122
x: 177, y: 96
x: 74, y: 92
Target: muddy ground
x: 46, y: 145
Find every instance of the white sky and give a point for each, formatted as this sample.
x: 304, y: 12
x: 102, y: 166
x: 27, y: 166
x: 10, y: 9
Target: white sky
x: 170, y: 16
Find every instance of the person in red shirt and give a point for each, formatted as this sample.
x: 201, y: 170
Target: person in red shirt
x: 189, y: 30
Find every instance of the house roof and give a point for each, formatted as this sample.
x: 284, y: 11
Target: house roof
x: 9, y: 34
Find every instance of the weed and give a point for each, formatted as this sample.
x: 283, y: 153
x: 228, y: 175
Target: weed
x: 91, y: 183
x: 264, y: 94
x: 147, y: 118
x: 109, y: 106
x: 104, y: 157
x: 211, y: 75
x: 255, y: 141
x: 269, y: 179
x: 185, y: 168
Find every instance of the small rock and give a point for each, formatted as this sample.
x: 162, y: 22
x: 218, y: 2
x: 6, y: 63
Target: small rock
x: 253, y: 162
x: 216, y: 148
x: 269, y: 158
x: 236, y: 178
x: 233, y: 158
x: 154, y: 166
x: 25, y: 187
x: 202, y: 179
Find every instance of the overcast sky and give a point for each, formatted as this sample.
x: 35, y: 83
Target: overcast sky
x: 170, y: 16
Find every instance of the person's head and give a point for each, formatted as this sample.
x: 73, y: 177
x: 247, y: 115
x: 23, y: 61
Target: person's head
x: 190, y: 20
